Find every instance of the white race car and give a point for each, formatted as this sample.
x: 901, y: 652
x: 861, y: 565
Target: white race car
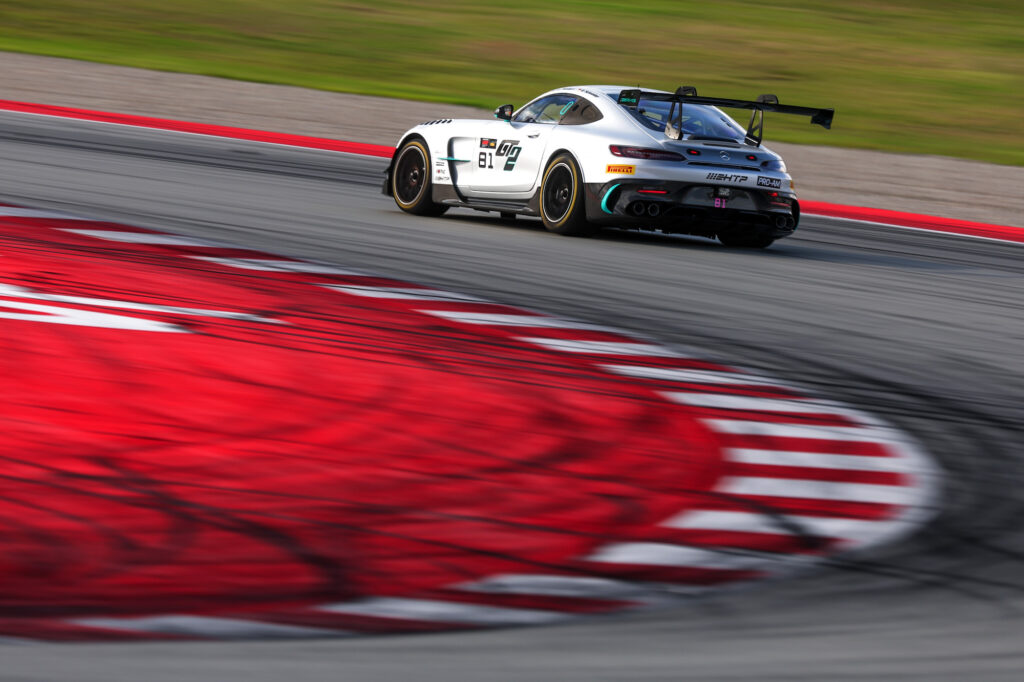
x: 591, y: 155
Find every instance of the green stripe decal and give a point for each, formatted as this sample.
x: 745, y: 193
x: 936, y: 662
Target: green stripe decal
x: 452, y: 158
x: 604, y: 202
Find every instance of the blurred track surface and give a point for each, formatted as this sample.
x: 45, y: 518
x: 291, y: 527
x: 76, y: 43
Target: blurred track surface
x: 924, y: 330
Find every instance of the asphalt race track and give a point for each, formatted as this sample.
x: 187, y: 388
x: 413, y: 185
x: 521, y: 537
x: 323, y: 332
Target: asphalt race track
x: 924, y: 330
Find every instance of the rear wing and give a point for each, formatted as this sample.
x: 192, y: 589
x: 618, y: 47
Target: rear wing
x: 687, y: 94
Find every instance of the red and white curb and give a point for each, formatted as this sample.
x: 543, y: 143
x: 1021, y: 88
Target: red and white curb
x: 803, y: 481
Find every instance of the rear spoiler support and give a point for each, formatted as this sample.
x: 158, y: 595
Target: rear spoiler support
x: 755, y: 129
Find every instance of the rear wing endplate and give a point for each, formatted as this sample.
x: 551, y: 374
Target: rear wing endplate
x: 687, y: 94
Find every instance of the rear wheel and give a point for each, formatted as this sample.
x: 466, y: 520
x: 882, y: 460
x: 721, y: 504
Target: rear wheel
x: 410, y: 180
x: 561, y: 197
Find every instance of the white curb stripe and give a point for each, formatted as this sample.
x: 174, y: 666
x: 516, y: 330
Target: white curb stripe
x: 693, y: 376
x: 49, y: 314
x: 205, y: 626
x: 752, y: 522
x: 753, y: 404
x: 500, y: 320
x: 812, y: 432
x: 274, y: 265
x: 795, y: 488
x: 158, y: 239
x: 436, y: 611
x: 679, y: 556
x: 603, y: 347
x: 19, y: 292
x: 814, y: 460
x: 579, y: 587
x: 400, y: 293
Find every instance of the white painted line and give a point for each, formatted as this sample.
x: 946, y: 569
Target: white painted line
x: 157, y: 239
x: 836, y: 433
x: 502, y: 320
x: 930, y: 230
x: 18, y: 212
x: 277, y: 265
x: 205, y: 626
x: 435, y: 611
x: 400, y: 293
x: 603, y: 347
x: 815, y: 460
x: 693, y: 376
x: 802, y: 489
x: 679, y: 556
x: 752, y: 522
x: 753, y: 404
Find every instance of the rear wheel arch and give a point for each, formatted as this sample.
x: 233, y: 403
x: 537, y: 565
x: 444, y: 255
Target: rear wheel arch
x: 561, y: 195
x: 555, y: 153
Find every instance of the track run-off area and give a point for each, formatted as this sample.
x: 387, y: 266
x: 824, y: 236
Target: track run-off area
x: 252, y: 399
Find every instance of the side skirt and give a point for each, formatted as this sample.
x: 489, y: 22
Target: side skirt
x: 449, y: 196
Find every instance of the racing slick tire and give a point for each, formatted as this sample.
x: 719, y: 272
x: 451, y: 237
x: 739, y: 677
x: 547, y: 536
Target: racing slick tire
x: 746, y: 240
x: 561, y: 197
x: 410, y: 180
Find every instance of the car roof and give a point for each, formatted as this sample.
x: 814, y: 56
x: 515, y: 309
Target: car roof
x: 611, y: 91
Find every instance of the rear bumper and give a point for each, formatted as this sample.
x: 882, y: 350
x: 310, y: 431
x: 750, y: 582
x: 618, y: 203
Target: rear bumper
x: 690, y: 208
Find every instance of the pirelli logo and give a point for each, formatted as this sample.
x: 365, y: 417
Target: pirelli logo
x: 620, y: 169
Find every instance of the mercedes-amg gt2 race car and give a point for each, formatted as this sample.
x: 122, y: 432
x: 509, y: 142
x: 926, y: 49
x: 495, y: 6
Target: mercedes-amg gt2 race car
x: 591, y: 155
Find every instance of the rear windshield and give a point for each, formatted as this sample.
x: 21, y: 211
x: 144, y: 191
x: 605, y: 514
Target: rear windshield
x: 699, y: 121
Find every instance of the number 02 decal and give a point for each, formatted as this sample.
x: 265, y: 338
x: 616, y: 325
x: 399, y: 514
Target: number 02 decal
x: 510, y: 149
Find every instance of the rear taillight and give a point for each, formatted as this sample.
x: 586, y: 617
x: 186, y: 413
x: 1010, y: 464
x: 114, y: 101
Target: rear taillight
x: 644, y: 153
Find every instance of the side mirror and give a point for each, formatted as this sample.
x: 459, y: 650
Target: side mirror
x: 504, y: 112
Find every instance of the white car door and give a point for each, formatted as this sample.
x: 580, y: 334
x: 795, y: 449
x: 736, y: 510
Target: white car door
x: 505, y: 159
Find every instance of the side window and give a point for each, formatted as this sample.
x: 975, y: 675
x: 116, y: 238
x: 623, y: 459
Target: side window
x: 548, y: 109
x: 580, y: 113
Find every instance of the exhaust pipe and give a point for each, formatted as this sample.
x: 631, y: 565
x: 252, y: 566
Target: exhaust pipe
x: 653, y: 210
x: 637, y: 208
x: 783, y: 222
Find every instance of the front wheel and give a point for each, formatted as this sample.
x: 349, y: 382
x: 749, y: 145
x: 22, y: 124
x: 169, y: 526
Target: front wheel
x: 410, y: 180
x: 561, y: 197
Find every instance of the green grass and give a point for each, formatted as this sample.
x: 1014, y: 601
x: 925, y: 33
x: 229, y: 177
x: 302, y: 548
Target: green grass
x: 922, y: 76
